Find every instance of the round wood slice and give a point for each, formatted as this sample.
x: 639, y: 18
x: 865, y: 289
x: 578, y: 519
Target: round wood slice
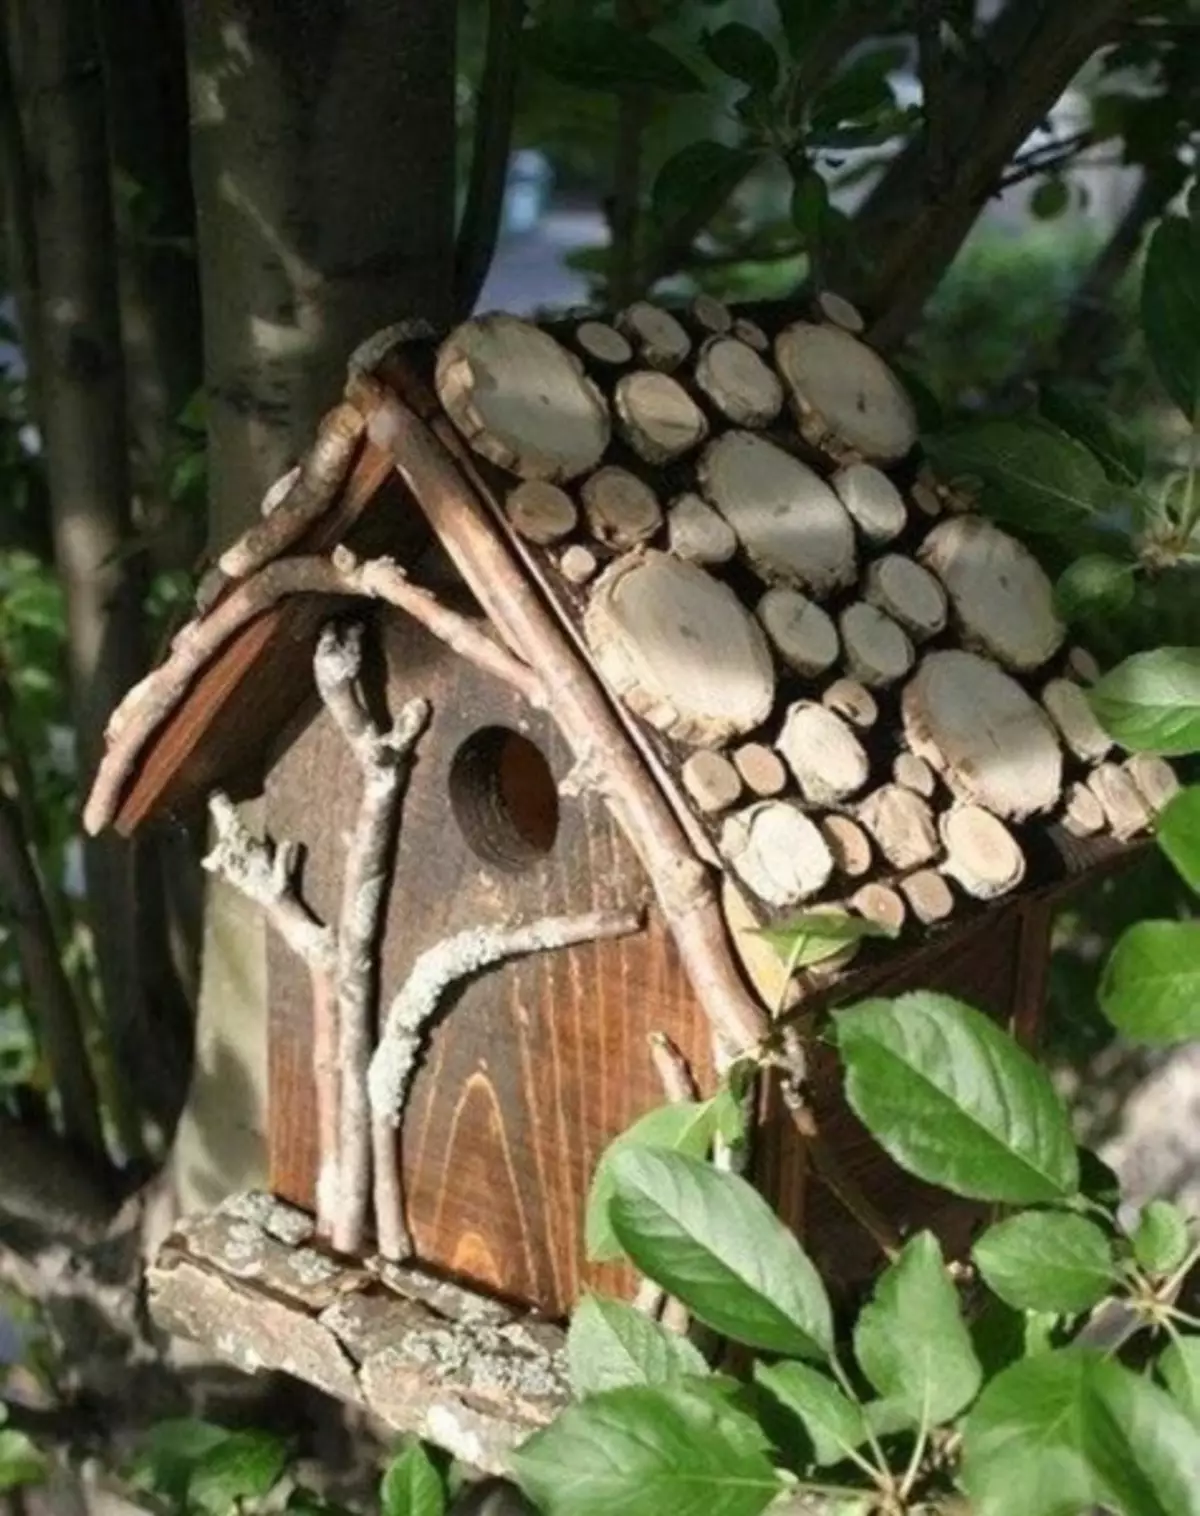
x: 1125, y: 807
x: 981, y: 853
x: 657, y: 335
x: 849, y: 844
x: 1083, y: 815
x: 696, y: 532
x: 680, y: 649
x: 1155, y: 778
x: 878, y: 652
x: 712, y: 781
x: 761, y: 963
x: 603, y: 343
x: 854, y: 701
x: 1073, y: 716
x: 803, y: 634
x: 1082, y: 665
x: 872, y: 499
x: 901, y: 824
x: 777, y: 851
x: 541, y: 512
x: 846, y: 398
x: 621, y: 509
x: 658, y: 418
x: 914, y: 774
x: 908, y: 593
x: 881, y: 903
x: 937, y: 497
x: 1002, y: 597
x: 828, y: 760
x: 751, y: 334
x: 761, y: 768
x: 738, y: 382
x: 988, y: 739
x: 793, y: 528
x: 928, y: 895
x: 712, y: 314
x: 578, y: 564
x: 521, y: 399
x: 838, y: 309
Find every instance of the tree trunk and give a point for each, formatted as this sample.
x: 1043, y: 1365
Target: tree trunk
x: 323, y: 151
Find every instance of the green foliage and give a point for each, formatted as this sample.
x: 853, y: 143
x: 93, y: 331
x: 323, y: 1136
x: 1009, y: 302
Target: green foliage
x: 1160, y: 1240
x: 1151, y: 985
x: 1047, y: 1261
x: 1095, y: 586
x: 203, y: 1468
x: 1179, y: 835
x: 815, y: 936
x: 1151, y: 702
x: 1171, y: 312
x: 611, y: 1344
x: 700, y: 169
x: 600, y: 55
x: 1179, y: 1369
x: 834, y: 1424
x: 20, y: 1462
x: 744, y: 54
x: 412, y: 1485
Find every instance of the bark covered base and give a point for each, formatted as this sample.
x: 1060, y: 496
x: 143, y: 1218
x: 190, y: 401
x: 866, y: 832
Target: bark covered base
x: 426, y: 1357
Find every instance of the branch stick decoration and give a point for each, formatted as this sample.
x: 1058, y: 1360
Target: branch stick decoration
x: 383, y: 758
x: 265, y: 874
x: 415, y: 1008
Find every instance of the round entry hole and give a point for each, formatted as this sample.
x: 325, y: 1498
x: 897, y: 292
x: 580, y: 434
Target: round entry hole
x: 504, y: 798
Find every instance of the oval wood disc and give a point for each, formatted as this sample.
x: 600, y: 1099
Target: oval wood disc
x: 678, y: 646
x: 696, y: 531
x: 521, y: 400
x: 981, y: 853
x: 878, y: 651
x: 658, y: 336
x: 873, y: 500
x: 901, y: 824
x: 1076, y: 721
x: 840, y: 311
x: 621, y: 509
x: 659, y: 419
x: 541, y: 512
x: 828, y: 760
x: 988, y: 739
x: 793, y: 528
x: 776, y: 850
x: 603, y: 343
x: 846, y: 398
x: 738, y: 382
x: 908, y: 593
x: 801, y: 632
x: 1001, y: 595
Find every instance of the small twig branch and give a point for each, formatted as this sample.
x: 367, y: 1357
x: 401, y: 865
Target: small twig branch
x: 417, y: 1004
x: 1046, y: 158
x: 383, y: 759
x: 932, y: 67
x: 264, y: 873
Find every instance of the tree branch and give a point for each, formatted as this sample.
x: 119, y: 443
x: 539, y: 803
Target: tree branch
x: 932, y: 67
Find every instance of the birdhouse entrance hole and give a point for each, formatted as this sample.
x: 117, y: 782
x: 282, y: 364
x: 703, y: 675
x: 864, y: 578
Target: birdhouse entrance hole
x: 504, y: 798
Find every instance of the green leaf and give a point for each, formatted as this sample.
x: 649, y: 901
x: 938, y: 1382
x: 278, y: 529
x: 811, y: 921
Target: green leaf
x: 1179, y: 1368
x: 243, y: 1466
x: 1029, y: 474
x: 911, y: 1341
x: 169, y: 1453
x: 1150, y: 988
x: 1160, y: 1239
x: 1046, y: 1261
x: 611, y: 1344
x: 810, y: 205
x: 815, y: 935
x: 1050, y: 198
x: 643, y: 1452
x: 20, y: 1461
x: 600, y: 55
x: 412, y: 1486
x: 1122, y: 456
x: 713, y: 1242
x: 707, y: 171
x: 687, y: 1126
x: 1095, y: 587
x: 802, y: 20
x: 1151, y: 702
x: 955, y: 1101
x: 1069, y: 1430
x: 1171, y: 311
x: 1179, y: 835
x: 835, y: 1424
x: 744, y: 54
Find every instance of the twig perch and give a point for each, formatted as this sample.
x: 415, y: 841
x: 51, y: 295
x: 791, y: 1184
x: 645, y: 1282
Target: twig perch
x: 416, y: 1006
x: 382, y: 757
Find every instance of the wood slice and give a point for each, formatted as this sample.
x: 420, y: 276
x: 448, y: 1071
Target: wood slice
x: 908, y: 593
x: 849, y: 844
x: 914, y: 774
x: 840, y: 311
x: 928, y: 895
x: 1082, y: 665
x: 621, y: 509
x: 988, y: 739
x: 846, y: 398
x: 541, y: 512
x: 738, y: 382
x: 762, y: 965
x: 1083, y: 815
x: 751, y: 334
x: 603, y: 343
x: 777, y: 851
x: 854, y: 701
x: 881, y: 903
x: 696, y: 532
x: 793, y: 528
x: 937, y: 496
x: 1073, y: 716
x: 802, y: 633
x: 658, y: 337
x: 878, y: 652
x: 1125, y: 807
x: 761, y: 768
x: 872, y: 499
x: 981, y: 853
x: 712, y: 781
x: 902, y: 826
x: 712, y: 314
x: 521, y: 400
x: 926, y: 499
x: 658, y: 418
x: 681, y: 650
x: 1155, y: 778
x: 828, y: 760
x: 1002, y: 597
x: 578, y: 564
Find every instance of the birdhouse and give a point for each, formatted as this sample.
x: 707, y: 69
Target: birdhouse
x: 573, y: 659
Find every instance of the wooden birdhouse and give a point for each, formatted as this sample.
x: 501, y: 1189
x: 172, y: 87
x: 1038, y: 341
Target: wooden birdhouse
x: 675, y: 637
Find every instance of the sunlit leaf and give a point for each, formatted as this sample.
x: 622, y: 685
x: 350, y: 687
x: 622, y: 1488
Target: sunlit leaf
x: 1049, y: 1261
x: 1179, y: 835
x: 412, y: 1486
x: 833, y: 1422
x: 611, y: 1344
x: 1150, y: 988
x: 1151, y: 701
x: 1160, y: 1239
x: 1094, y: 587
